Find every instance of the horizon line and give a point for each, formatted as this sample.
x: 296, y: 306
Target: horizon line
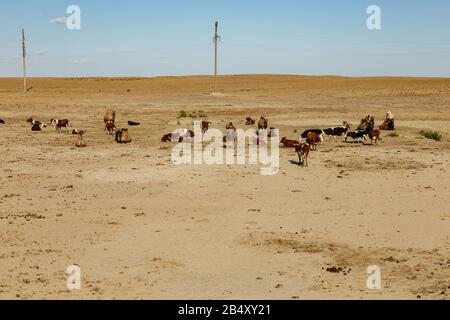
x: 224, y: 75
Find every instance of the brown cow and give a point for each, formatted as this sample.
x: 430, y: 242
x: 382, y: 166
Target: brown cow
x: 167, y: 138
x: 110, y: 120
x: 110, y: 127
x: 110, y: 116
x: 374, y: 136
x: 59, y: 124
x: 303, y: 153
x: 80, y: 143
x: 263, y: 123
x: 289, y: 143
x: 313, y: 139
x: 205, y: 126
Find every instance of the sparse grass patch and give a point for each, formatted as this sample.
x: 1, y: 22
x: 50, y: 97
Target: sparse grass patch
x: 430, y: 134
x: 192, y: 115
x: 198, y: 114
x: 182, y: 114
x: 393, y: 134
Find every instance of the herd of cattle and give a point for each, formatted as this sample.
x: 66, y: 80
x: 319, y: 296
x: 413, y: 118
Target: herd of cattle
x: 308, y: 141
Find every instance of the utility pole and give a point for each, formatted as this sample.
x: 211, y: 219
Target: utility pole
x: 24, y: 55
x: 216, y: 48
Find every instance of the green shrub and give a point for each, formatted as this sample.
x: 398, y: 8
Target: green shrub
x: 393, y: 134
x: 430, y: 134
x: 182, y: 114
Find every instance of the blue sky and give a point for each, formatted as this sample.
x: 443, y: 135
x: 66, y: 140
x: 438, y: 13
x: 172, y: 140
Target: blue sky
x: 174, y: 37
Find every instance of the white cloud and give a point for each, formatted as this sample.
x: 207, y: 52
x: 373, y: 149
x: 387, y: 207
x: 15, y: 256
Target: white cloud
x: 62, y: 20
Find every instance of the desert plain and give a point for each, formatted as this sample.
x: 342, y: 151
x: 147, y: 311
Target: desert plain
x: 141, y: 227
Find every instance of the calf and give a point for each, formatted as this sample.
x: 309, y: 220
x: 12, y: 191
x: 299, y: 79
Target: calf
x: 303, y: 153
x: 355, y: 135
x: 313, y: 140
x: 316, y: 131
x: 289, y: 143
x: 374, y: 136
x: 59, y: 124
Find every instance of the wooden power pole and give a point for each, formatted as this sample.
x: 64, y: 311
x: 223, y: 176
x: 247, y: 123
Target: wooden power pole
x: 24, y: 66
x: 216, y: 51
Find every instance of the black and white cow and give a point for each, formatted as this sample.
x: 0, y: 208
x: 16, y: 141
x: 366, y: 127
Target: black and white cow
x: 338, y: 131
x: 356, y: 135
x: 316, y: 131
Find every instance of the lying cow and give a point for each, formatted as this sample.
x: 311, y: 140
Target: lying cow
x: 316, y: 131
x: 389, y: 122
x: 122, y: 136
x: 37, y: 126
x: 59, y: 124
x: 173, y: 137
x: 356, y: 135
x: 80, y: 143
x: 289, y: 143
x: 250, y: 121
x: 2, y: 121
x: 313, y: 139
x: 367, y: 124
x: 263, y: 123
x: 303, y: 153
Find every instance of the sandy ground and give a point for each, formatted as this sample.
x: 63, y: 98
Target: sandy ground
x: 141, y: 227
